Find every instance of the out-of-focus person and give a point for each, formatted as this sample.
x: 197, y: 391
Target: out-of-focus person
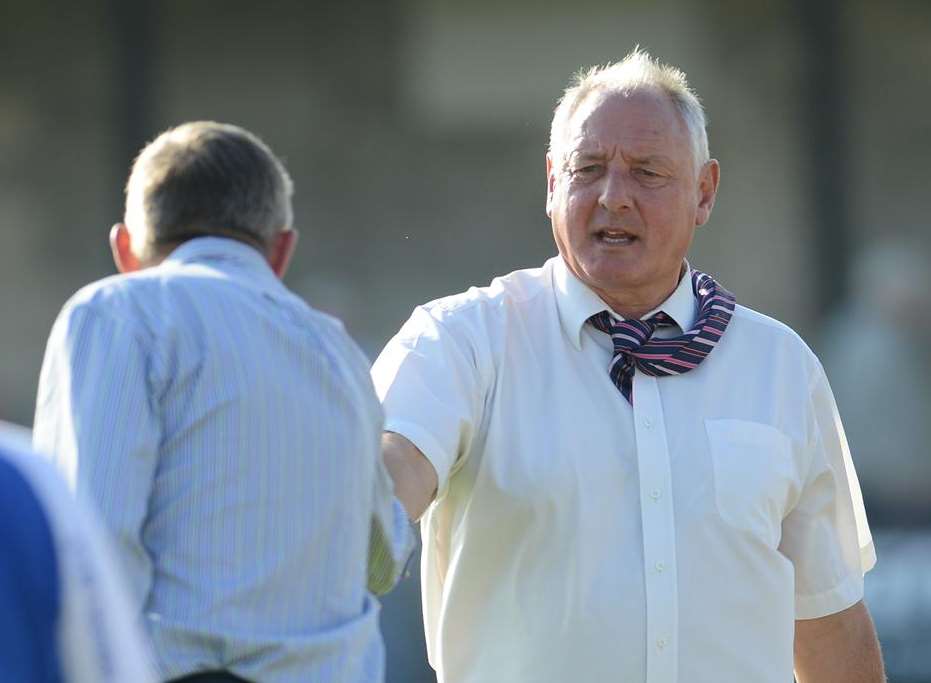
x: 228, y: 432
x: 64, y: 615
x: 877, y: 349
x: 626, y: 475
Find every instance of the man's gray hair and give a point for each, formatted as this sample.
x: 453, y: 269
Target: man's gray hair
x: 206, y: 178
x: 637, y: 71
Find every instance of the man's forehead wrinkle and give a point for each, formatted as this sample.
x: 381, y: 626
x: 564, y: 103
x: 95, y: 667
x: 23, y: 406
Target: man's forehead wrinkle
x: 631, y: 148
x: 599, y: 127
x: 582, y: 147
x: 594, y: 129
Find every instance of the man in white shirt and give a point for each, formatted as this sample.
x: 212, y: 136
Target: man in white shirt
x: 626, y: 476
x: 227, y: 432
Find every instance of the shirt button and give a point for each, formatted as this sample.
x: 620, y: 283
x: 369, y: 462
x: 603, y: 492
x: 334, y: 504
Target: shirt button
x: 647, y: 422
x: 661, y: 643
x: 660, y: 567
x: 656, y: 494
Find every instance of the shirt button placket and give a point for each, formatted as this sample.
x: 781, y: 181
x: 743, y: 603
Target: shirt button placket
x: 659, y: 536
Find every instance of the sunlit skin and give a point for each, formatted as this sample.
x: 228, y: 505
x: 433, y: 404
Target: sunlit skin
x: 625, y: 195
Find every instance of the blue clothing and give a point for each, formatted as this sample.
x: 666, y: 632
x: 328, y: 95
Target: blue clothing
x: 230, y: 436
x: 30, y: 589
x: 63, y: 613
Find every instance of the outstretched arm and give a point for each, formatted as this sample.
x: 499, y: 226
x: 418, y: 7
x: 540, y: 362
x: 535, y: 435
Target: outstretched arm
x: 415, y: 479
x: 838, y: 648
x: 414, y: 486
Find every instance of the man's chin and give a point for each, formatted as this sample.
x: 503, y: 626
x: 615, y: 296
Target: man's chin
x: 614, y: 275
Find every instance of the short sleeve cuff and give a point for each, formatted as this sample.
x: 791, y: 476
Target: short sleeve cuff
x: 844, y: 595
x: 441, y: 460
x: 868, y: 557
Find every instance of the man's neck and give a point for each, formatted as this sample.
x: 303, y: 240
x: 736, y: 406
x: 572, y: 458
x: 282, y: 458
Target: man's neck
x: 633, y: 305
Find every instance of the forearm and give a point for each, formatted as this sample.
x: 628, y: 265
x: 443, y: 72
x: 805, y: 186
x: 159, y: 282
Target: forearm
x: 839, y: 648
x: 415, y: 480
x: 391, y: 541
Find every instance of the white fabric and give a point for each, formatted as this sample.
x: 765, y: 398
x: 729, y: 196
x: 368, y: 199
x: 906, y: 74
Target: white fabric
x: 577, y: 537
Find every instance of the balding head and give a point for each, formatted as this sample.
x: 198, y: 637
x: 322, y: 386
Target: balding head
x: 637, y: 71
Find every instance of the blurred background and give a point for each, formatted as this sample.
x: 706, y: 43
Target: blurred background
x: 415, y: 131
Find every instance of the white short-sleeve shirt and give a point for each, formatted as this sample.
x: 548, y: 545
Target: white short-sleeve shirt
x: 577, y: 537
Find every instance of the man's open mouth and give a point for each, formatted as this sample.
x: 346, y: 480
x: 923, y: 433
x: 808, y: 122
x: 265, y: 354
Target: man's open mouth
x: 618, y: 237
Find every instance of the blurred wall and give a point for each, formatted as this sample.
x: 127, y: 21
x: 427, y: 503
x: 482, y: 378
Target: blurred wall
x: 415, y: 131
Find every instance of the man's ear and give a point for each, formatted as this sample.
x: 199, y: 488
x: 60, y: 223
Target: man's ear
x: 280, y: 251
x: 121, y: 247
x: 550, y: 184
x: 708, y: 179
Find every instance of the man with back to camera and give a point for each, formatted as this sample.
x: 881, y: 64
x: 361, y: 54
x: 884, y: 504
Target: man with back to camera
x: 228, y: 432
x: 626, y: 476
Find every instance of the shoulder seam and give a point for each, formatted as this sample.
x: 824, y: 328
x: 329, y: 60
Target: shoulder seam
x: 88, y: 308
x: 490, y: 301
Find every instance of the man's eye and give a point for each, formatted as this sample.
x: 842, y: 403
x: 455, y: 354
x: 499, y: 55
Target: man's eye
x: 590, y: 169
x: 647, y: 173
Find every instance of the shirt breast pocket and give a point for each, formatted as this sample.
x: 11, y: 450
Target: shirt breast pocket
x: 753, y: 475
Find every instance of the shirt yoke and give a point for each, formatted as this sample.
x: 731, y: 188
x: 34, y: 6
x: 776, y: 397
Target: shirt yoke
x: 173, y: 312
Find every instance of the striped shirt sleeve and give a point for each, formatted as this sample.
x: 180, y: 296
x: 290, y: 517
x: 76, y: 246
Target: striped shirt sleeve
x: 95, y: 417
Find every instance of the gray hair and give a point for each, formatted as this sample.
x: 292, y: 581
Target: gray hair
x: 637, y: 71
x: 206, y: 178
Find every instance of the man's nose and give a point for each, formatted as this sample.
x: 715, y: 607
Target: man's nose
x: 615, y: 191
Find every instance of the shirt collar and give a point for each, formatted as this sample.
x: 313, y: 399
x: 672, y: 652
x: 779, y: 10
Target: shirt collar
x: 577, y: 303
x: 226, y: 255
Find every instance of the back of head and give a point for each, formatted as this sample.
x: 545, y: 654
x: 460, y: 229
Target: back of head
x: 206, y: 178
x: 637, y: 71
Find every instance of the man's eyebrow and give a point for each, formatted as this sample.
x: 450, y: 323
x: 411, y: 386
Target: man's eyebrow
x: 585, y: 154
x: 649, y: 159
x: 599, y: 154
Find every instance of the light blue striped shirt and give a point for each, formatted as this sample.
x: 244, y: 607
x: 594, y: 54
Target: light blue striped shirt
x: 229, y: 435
